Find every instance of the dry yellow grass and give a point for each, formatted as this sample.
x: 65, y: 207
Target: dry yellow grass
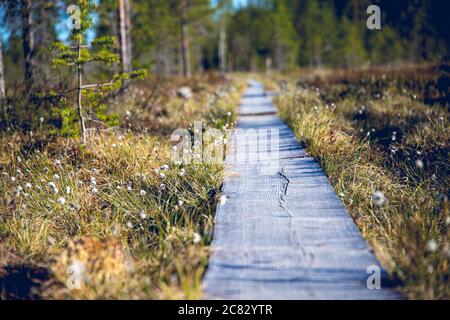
x: 409, y: 227
x: 117, y: 214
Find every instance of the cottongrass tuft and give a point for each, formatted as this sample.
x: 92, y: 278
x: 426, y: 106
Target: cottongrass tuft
x: 61, y: 201
x: 223, y: 200
x: 196, y: 238
x: 143, y: 215
x: 432, y: 245
x: 378, y: 198
x: 419, y: 164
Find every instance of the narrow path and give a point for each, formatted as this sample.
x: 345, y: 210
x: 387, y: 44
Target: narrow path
x: 283, y: 233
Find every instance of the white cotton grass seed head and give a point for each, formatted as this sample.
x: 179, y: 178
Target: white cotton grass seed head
x: 53, y: 187
x: 115, y: 230
x: 129, y: 225
x: 56, y: 176
x: 196, y: 238
x: 143, y: 215
x: 51, y: 241
x: 76, y: 268
x: 68, y: 190
x: 378, y: 198
x: 28, y: 185
x: 223, y: 200
x: 419, y: 164
x: 142, y: 192
x: 61, y: 201
x: 432, y: 245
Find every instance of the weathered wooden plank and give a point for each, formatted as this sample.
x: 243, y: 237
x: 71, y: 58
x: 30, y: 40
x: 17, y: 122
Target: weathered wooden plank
x: 283, y: 233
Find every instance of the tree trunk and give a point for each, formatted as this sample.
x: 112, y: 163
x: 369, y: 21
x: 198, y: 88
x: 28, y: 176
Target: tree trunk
x: 185, y: 54
x: 79, y: 97
x: 223, y: 45
x: 128, y: 27
x: 199, y: 57
x: 124, y: 35
x: 279, y: 56
x: 2, y: 74
x: 27, y: 43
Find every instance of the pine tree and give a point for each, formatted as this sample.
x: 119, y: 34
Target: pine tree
x: 186, y: 12
x: 329, y: 35
x: 156, y: 33
x: 79, y: 54
x: 385, y: 46
x: 309, y: 28
x: 285, y: 50
x: 351, y: 47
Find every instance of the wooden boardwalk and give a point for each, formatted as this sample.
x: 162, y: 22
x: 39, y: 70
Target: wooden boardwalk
x: 282, y: 232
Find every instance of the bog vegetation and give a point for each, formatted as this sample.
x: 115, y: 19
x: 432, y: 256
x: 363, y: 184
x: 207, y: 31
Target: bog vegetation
x: 118, y: 211
x: 89, y: 197
x: 386, y: 153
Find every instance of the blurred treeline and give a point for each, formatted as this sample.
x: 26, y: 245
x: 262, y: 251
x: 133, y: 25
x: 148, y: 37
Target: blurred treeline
x: 334, y: 33
x: 189, y: 36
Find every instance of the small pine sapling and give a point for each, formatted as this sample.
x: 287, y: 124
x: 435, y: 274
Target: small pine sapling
x: 78, y: 54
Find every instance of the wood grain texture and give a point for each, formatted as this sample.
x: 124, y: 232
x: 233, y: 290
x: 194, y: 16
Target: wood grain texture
x: 283, y: 233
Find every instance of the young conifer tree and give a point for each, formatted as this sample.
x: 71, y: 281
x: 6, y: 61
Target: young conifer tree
x: 79, y: 53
